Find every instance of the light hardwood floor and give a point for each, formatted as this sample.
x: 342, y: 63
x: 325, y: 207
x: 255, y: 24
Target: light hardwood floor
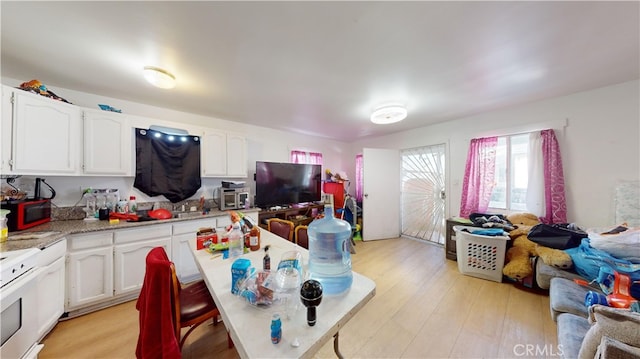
x: 423, y: 308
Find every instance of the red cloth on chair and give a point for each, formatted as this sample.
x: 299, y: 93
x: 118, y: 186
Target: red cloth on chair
x: 157, y: 338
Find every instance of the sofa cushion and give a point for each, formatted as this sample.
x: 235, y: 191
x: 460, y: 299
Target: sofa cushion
x: 567, y: 296
x: 571, y: 330
x: 619, y: 324
x: 610, y: 348
x: 545, y: 272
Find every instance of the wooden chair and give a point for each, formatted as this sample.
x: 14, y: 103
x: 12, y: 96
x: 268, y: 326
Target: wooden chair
x: 302, y: 239
x: 281, y: 227
x: 166, y: 306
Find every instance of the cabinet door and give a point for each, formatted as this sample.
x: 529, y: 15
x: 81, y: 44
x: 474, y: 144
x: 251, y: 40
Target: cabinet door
x: 181, y: 255
x: 50, y: 296
x: 90, y: 276
x: 130, y: 263
x: 46, y: 135
x: 186, y: 267
x: 214, y: 154
x: 107, y: 143
x: 236, y: 156
x: 5, y: 130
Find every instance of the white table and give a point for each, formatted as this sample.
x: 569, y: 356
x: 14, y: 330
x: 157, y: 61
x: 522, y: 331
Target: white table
x: 249, y: 326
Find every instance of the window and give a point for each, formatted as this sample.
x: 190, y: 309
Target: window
x: 312, y: 158
x: 515, y: 173
x: 511, y: 173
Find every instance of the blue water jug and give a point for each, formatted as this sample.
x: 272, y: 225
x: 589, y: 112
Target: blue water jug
x: 329, y: 254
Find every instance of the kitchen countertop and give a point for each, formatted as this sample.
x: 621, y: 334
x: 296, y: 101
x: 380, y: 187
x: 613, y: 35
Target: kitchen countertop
x: 49, y: 233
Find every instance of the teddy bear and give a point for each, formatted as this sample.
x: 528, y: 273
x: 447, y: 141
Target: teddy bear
x: 518, y: 265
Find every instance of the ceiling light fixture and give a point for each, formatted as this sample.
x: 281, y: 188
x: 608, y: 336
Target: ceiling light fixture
x: 389, y: 114
x: 159, y: 77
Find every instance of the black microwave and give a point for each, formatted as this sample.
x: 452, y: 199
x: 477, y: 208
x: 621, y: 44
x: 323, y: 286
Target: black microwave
x: 25, y: 214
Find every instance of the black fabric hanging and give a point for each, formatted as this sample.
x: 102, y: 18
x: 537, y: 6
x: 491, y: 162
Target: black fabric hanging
x: 167, y: 165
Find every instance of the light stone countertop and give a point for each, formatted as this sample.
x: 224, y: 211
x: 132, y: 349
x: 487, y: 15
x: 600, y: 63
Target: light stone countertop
x: 60, y: 229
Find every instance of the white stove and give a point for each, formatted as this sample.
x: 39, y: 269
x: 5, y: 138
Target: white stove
x: 18, y: 298
x: 13, y: 264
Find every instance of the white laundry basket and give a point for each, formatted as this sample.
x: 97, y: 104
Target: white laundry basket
x: 478, y: 255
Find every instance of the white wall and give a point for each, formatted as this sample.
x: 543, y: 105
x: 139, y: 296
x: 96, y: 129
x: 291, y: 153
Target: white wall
x: 264, y: 144
x: 600, y: 144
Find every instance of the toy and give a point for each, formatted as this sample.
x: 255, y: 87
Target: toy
x: 37, y: 87
x: 518, y: 265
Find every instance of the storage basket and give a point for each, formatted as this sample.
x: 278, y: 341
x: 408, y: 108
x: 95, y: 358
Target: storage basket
x: 478, y: 255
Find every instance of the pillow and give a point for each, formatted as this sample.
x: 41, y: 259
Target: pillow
x: 618, y: 324
x: 611, y: 348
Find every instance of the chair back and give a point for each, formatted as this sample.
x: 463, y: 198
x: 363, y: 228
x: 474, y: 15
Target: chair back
x: 302, y: 238
x: 281, y: 227
x: 156, y: 304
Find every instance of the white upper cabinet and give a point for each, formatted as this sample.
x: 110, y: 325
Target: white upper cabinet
x: 107, y: 143
x: 5, y: 130
x: 46, y: 135
x: 223, y: 154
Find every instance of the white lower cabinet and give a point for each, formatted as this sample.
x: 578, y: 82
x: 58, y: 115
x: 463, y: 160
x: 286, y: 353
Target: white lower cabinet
x: 108, y: 266
x: 183, y: 232
x: 130, y: 253
x: 51, y: 286
x: 90, y: 276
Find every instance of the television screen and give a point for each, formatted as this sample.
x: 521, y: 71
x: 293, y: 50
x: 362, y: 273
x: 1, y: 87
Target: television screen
x: 280, y: 184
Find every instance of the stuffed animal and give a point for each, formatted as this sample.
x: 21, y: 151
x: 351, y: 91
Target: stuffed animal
x: 518, y: 264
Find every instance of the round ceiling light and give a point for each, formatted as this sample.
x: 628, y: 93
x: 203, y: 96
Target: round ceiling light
x: 159, y: 77
x: 389, y: 114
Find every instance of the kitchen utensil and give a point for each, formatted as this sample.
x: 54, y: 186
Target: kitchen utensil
x: 160, y: 213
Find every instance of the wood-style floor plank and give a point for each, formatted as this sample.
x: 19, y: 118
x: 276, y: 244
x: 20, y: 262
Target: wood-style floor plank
x: 423, y: 308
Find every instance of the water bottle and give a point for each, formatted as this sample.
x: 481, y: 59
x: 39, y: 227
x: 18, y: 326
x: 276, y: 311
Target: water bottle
x: 329, y: 254
x: 236, y: 241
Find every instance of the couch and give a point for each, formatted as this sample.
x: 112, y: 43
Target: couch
x: 595, y: 332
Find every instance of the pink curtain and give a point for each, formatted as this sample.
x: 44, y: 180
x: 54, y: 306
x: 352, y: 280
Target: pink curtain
x: 554, y: 195
x: 359, y: 182
x: 315, y: 158
x: 298, y: 157
x: 479, y: 175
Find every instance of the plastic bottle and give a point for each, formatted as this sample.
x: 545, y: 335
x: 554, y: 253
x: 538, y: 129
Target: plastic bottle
x: 4, y: 229
x: 276, y: 329
x: 236, y: 241
x: 329, y: 254
x: 133, y: 206
x: 266, y: 261
x: 254, y: 238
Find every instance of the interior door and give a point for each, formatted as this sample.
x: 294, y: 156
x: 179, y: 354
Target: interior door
x: 381, y: 199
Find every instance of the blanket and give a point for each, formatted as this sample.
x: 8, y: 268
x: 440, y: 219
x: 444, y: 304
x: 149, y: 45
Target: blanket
x: 157, y: 338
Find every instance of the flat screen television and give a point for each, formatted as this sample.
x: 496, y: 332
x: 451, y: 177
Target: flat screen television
x: 279, y: 184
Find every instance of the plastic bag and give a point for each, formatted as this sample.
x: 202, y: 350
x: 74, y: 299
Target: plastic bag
x: 258, y: 289
x: 557, y: 236
x: 621, y: 242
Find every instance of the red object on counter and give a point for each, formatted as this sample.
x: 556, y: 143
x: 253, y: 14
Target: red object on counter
x: 125, y: 216
x: 203, y: 241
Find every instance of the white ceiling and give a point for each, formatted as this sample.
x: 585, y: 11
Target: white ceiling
x: 321, y: 67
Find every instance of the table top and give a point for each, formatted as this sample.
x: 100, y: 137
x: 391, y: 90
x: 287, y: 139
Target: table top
x: 249, y: 326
